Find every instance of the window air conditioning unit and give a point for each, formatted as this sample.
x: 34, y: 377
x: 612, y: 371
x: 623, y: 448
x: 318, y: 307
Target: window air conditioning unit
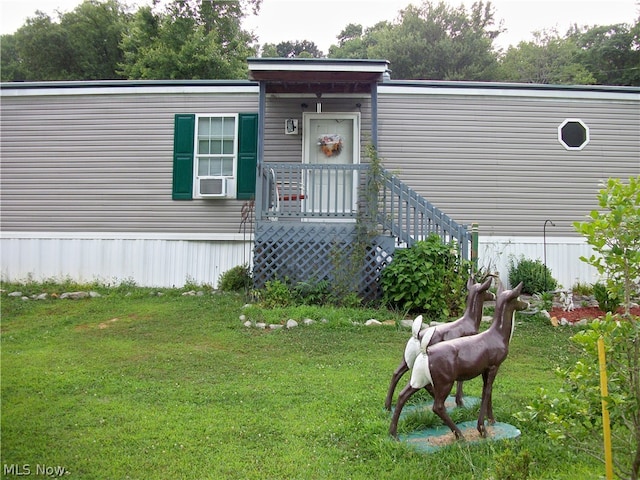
x: 213, y: 187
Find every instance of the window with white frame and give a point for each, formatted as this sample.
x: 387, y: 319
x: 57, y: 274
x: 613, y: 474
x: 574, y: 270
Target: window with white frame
x: 215, y: 154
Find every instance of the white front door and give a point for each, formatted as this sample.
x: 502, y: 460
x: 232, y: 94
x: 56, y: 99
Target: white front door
x: 331, y: 139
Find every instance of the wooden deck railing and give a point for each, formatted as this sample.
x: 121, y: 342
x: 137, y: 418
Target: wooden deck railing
x: 297, y: 191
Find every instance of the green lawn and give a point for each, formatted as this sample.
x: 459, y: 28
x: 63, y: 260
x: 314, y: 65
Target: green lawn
x: 148, y: 387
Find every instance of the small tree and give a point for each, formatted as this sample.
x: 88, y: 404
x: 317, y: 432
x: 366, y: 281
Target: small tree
x: 614, y: 235
x: 573, y: 414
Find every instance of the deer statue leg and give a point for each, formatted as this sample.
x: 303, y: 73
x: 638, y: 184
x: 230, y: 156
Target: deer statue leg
x: 440, y: 409
x: 405, y: 394
x: 485, y: 405
x: 490, y: 417
x: 459, y: 401
x: 397, y: 375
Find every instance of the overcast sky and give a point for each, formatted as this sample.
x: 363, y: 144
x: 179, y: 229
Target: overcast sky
x: 320, y: 21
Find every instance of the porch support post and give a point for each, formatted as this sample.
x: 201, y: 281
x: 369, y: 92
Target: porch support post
x: 374, y: 115
x: 262, y: 108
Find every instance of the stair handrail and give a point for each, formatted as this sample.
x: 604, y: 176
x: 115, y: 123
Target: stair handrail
x: 410, y: 217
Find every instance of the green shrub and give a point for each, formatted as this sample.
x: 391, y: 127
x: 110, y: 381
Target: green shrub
x: 512, y: 466
x: 535, y: 275
x: 428, y: 277
x: 235, y: 279
x: 607, y: 301
x: 276, y: 294
x: 314, y: 293
x: 582, y: 289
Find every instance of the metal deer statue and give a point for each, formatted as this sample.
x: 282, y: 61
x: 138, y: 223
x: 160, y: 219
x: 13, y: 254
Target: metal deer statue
x: 468, y: 324
x: 440, y: 365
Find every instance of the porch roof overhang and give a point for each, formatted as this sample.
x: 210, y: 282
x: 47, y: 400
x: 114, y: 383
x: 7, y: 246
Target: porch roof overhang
x: 317, y: 75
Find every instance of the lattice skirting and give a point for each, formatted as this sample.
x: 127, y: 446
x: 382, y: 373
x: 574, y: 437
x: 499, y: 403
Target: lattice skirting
x: 312, y: 252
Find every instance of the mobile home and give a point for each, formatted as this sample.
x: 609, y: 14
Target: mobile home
x: 167, y: 182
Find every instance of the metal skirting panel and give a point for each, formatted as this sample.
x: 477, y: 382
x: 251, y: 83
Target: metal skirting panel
x: 146, y: 262
x: 562, y: 257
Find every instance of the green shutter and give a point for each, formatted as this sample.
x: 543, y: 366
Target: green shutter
x: 247, y: 155
x: 184, y: 130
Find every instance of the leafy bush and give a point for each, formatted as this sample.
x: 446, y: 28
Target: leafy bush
x: 276, y: 293
x: 612, y: 231
x: 235, y: 279
x: 607, y: 301
x: 572, y: 415
x: 313, y: 293
x: 428, y: 277
x: 582, y: 289
x: 535, y: 275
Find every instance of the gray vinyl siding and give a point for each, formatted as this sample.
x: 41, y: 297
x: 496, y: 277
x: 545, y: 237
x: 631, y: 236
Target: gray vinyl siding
x: 496, y: 160
x: 279, y: 147
x: 102, y: 162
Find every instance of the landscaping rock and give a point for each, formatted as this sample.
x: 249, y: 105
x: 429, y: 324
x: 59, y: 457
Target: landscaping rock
x: 372, y: 322
x: 243, y: 318
x: 74, y: 295
x: 42, y: 296
x: 93, y: 294
x: 275, y: 326
x: 308, y: 321
x: 15, y: 294
x: 406, y: 323
x: 291, y: 323
x: 261, y: 325
x: 247, y: 324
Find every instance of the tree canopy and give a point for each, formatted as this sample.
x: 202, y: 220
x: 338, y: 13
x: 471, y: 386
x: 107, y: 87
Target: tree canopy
x: 432, y: 41
x: 192, y: 39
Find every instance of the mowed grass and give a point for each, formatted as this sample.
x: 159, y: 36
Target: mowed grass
x: 148, y: 387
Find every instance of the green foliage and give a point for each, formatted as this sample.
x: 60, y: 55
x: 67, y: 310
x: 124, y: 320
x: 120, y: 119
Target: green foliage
x: 235, y: 279
x: 546, y: 300
x: 607, y: 301
x: 199, y: 41
x: 428, y: 277
x: 609, y: 51
x: 83, y: 45
x: 297, y: 49
x: 276, y: 293
x: 582, y: 289
x: 533, y: 273
x: 513, y: 466
x: 614, y: 234
x: 459, y: 42
x: 549, y: 59
x: 573, y: 415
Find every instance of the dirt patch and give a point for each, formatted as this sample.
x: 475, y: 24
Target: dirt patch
x: 470, y: 434
x: 107, y: 324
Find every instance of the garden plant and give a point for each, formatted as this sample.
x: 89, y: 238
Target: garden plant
x: 572, y: 415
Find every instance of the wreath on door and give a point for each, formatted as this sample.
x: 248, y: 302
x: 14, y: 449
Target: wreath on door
x: 331, y: 145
